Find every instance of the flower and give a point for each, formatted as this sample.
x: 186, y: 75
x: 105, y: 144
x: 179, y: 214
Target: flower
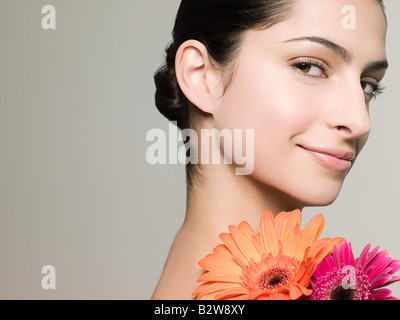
x: 276, y: 263
x: 341, y: 277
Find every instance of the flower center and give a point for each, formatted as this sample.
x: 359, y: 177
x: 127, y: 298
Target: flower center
x: 274, y: 278
x: 270, y: 274
x: 331, y: 287
x: 341, y: 293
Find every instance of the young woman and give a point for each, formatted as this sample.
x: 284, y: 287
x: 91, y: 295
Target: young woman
x: 301, y: 74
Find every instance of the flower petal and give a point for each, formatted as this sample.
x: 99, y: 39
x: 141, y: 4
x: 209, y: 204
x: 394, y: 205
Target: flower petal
x: 295, y: 293
x: 220, y: 275
x: 359, y: 262
x: 381, y: 280
x: 375, y: 267
x: 309, y: 235
x: 288, y: 224
x: 231, y: 292
x: 274, y: 296
x: 213, y: 262
x: 244, y: 243
x: 382, y: 294
x: 231, y: 244
x: 268, y: 234
x: 324, y: 247
x: 282, y: 218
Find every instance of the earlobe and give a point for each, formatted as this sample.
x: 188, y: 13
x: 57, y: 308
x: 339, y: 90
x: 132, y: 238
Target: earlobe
x: 194, y: 73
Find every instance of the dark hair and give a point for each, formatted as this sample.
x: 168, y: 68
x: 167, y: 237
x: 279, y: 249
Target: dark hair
x: 220, y: 26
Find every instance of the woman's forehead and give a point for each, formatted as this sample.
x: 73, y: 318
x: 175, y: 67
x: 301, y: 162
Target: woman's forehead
x: 358, y: 30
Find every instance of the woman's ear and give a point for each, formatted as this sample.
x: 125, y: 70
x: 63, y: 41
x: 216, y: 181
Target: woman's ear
x: 197, y: 77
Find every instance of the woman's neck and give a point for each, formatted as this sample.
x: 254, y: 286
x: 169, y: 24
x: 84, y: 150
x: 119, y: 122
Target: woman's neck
x: 218, y: 199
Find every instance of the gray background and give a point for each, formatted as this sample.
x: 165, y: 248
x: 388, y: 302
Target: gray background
x: 76, y: 191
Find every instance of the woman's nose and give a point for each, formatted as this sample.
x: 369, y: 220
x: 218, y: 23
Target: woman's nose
x: 349, y: 112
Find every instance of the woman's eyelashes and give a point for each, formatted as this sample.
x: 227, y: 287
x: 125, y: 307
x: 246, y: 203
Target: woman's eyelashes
x: 311, y: 68
x: 372, y: 89
x: 317, y: 69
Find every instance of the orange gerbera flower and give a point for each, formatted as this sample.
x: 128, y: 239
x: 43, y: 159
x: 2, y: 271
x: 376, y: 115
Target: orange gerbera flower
x: 276, y: 263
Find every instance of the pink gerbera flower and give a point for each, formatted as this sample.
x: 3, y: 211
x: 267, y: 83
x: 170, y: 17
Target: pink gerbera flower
x: 341, y: 277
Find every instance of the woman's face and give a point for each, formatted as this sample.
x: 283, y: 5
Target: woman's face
x: 305, y: 85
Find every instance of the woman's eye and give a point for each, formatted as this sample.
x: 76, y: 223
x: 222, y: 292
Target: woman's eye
x: 368, y: 88
x: 372, y: 90
x: 310, y: 69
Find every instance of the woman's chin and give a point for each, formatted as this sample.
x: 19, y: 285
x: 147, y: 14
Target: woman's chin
x: 319, y: 198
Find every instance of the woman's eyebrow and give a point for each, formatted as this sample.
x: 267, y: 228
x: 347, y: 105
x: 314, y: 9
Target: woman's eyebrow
x: 343, y: 52
x: 377, y: 65
x: 339, y: 50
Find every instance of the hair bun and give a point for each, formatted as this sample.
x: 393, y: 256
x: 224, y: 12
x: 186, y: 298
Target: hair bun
x: 169, y: 98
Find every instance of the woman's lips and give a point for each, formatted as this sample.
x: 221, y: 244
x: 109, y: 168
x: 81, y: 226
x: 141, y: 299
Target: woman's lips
x: 331, y: 158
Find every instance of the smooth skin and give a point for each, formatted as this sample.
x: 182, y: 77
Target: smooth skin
x: 304, y: 83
